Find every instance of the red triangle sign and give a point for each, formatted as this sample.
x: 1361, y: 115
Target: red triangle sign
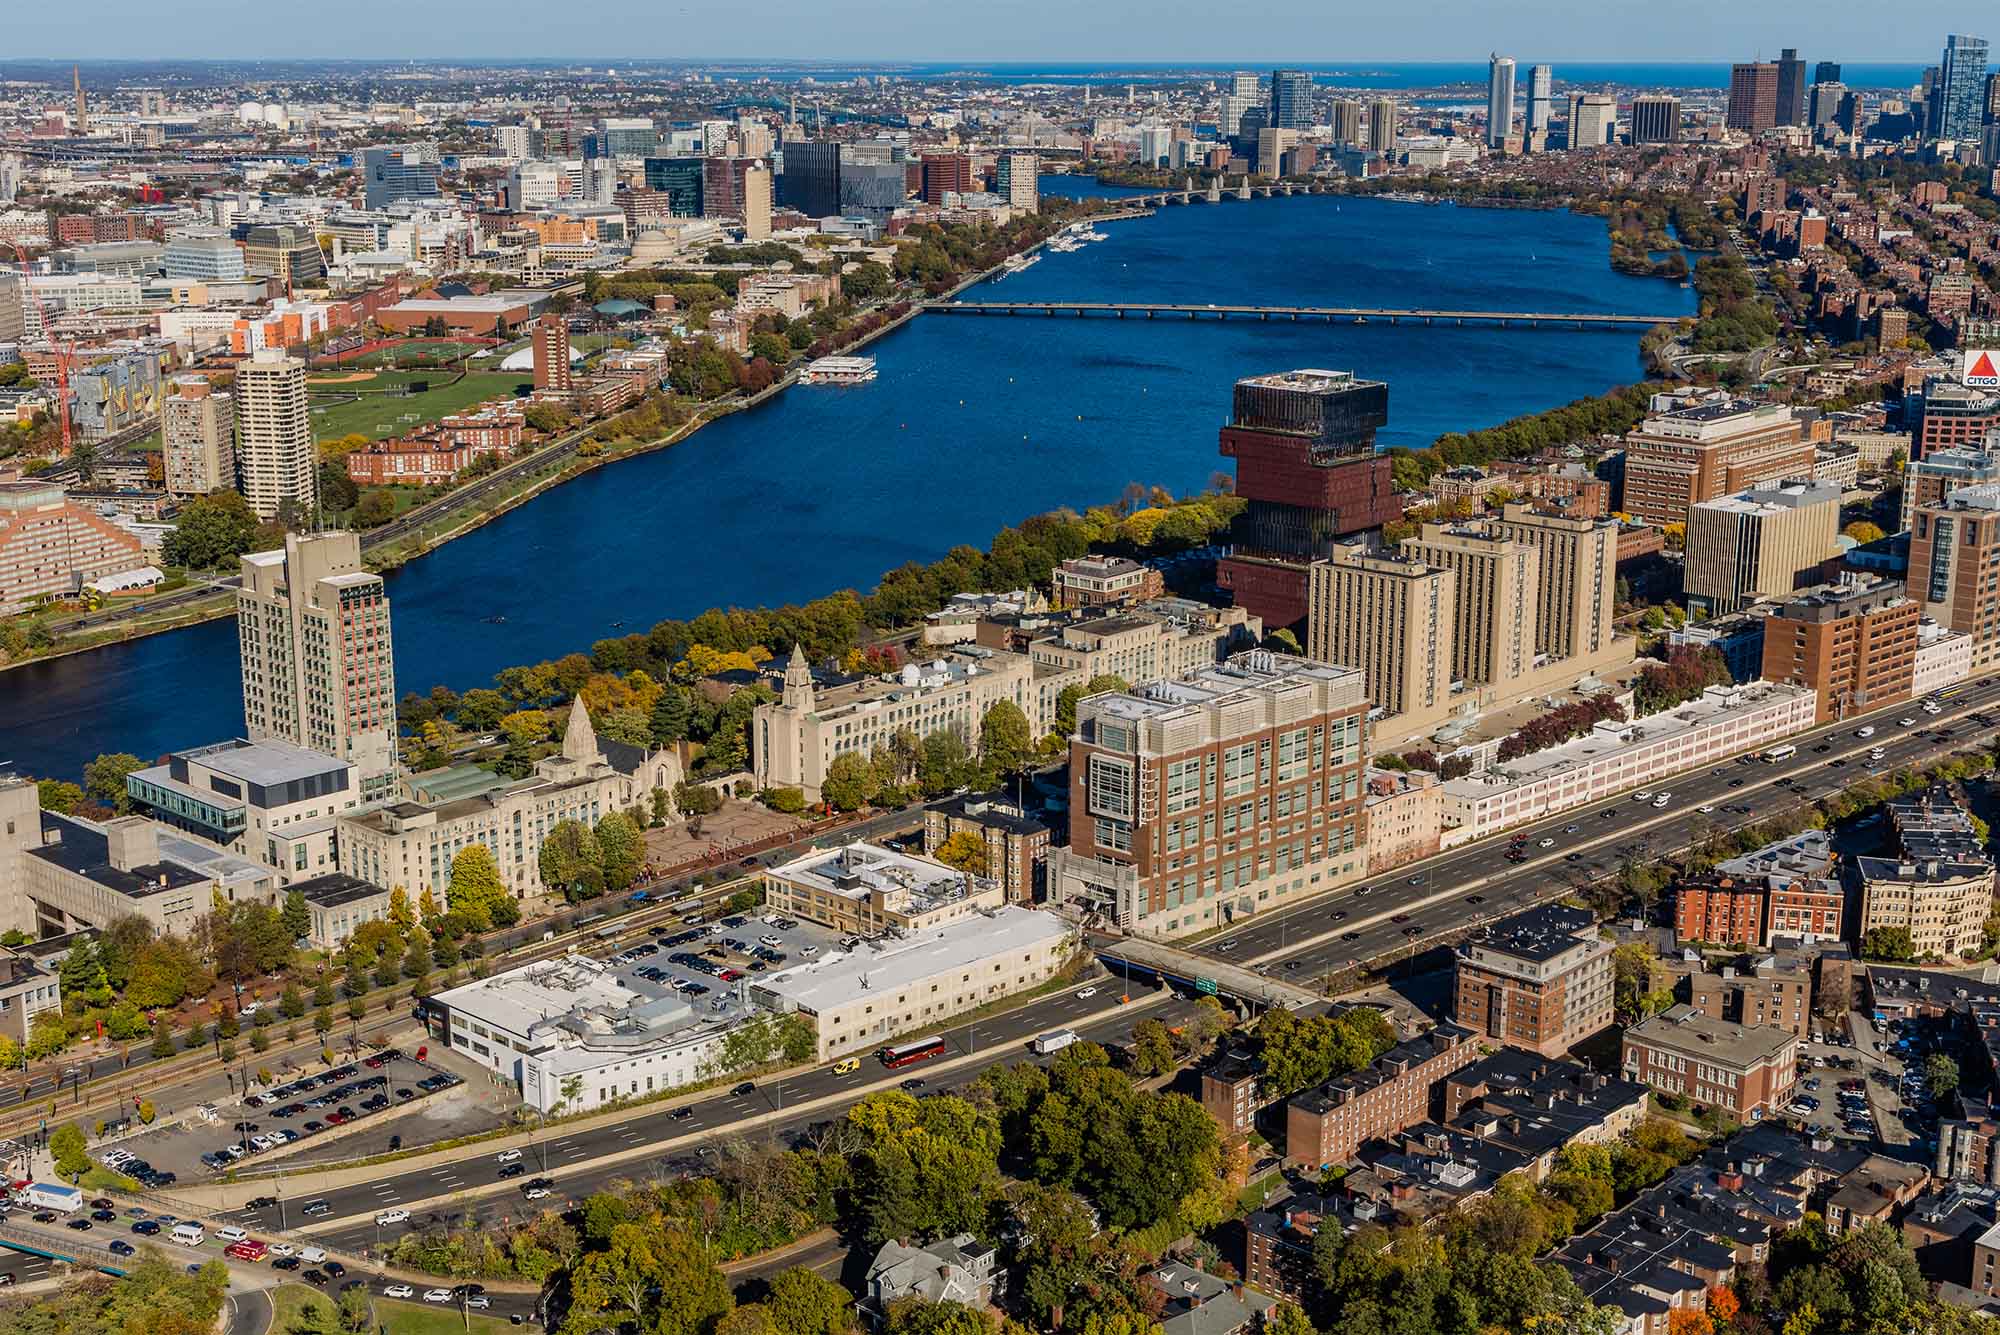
x: 1982, y: 367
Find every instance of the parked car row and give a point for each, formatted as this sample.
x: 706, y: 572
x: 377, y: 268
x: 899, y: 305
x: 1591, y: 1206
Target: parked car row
x: 140, y: 1171
x: 370, y: 1094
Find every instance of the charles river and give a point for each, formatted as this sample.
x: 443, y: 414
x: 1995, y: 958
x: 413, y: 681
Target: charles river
x: 974, y: 423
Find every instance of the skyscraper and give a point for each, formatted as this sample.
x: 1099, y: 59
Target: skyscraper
x: 1346, y: 122
x: 1244, y: 94
x: 1791, y: 108
x: 1656, y: 119
x: 1499, y: 99
x: 1382, y: 125
x: 390, y: 174
x: 812, y: 177
x: 1827, y: 71
x: 313, y: 631
x: 198, y: 428
x: 757, y: 202
x: 276, y: 442
x: 1823, y: 104
x: 950, y: 173
x: 552, y: 367
x: 1541, y: 98
x: 1393, y: 616
x: 1016, y: 178
x: 1304, y: 445
x: 680, y: 180
x: 1593, y: 120
x: 1957, y: 107
x: 1498, y: 591
x: 1753, y: 97
x: 1291, y: 100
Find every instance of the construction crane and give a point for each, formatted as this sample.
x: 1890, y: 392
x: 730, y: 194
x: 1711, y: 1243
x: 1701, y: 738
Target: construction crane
x: 65, y: 359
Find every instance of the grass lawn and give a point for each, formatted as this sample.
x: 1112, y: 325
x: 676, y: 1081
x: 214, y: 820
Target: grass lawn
x: 417, y: 352
x: 379, y: 415
x: 400, y: 1318
x: 290, y: 1303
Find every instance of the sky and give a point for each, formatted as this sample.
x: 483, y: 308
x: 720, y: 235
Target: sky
x: 1261, y: 31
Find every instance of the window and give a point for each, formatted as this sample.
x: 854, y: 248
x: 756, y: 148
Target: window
x: 1239, y: 769
x: 1111, y: 787
x: 1184, y: 784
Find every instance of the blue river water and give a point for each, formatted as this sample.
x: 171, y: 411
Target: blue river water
x: 974, y: 423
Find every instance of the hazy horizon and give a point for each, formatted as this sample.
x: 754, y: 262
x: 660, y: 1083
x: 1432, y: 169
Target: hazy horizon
x: 1134, y: 32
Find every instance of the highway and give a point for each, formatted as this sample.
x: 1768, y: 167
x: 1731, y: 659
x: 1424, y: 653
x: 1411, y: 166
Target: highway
x: 1306, y: 942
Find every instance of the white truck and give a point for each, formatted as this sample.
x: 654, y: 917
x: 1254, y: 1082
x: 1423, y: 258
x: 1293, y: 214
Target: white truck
x: 53, y: 1196
x: 1054, y: 1041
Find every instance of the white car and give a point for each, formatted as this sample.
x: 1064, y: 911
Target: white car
x: 250, y: 1008
x: 1906, y: 723
x: 1663, y: 796
x: 1545, y: 843
x: 437, y: 1295
x: 282, y: 1249
x: 1642, y: 796
x: 398, y: 1291
x: 770, y: 942
x: 388, y: 1217
x: 1086, y: 994
x: 118, y: 1158
x: 809, y: 951
x: 508, y: 1156
x: 1705, y: 808
x: 264, y: 1140
x: 1660, y: 801
x: 231, y: 1233
x: 479, y: 1302
x: 536, y: 1193
x: 1865, y: 733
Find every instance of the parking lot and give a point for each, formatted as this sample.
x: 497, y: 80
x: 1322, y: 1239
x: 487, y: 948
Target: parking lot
x: 1870, y: 1087
x: 707, y: 964
x: 219, y: 1136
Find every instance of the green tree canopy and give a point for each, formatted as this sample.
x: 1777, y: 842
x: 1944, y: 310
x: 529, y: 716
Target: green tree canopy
x: 571, y: 862
x: 622, y: 849
x: 211, y: 532
x: 476, y: 892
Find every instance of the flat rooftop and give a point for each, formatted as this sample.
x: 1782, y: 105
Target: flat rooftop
x: 1539, y: 933
x: 860, y: 871
x: 335, y: 889
x: 267, y: 763
x: 885, y: 965
x: 1684, y: 1029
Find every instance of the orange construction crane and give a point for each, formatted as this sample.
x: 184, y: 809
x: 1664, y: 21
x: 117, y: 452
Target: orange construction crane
x: 65, y: 357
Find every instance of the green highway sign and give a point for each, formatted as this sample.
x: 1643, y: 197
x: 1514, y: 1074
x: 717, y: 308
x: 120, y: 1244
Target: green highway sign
x: 1206, y: 986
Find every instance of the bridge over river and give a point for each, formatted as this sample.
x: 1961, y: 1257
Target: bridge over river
x: 1330, y: 314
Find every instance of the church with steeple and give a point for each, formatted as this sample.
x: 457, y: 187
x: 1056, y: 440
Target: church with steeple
x: 411, y: 843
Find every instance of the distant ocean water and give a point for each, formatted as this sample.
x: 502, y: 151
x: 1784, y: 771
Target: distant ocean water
x: 1345, y: 74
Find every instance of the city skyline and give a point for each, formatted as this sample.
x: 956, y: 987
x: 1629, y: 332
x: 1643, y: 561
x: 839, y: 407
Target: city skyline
x: 904, y: 30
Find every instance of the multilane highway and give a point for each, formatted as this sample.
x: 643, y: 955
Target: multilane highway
x: 1437, y: 897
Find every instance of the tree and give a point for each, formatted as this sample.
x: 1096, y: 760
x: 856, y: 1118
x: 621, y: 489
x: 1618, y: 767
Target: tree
x: 291, y: 1004
x: 66, y: 1145
x: 476, y: 892
x: 376, y: 507
x: 696, y: 801
x: 401, y: 916
x: 804, y: 1302
x: 297, y: 917
x: 211, y: 532
x: 964, y: 850
x: 849, y: 782
x: 1864, y: 532
x: 1005, y: 739
x: 622, y: 849
x: 1940, y: 1075
x: 59, y: 795
x: 571, y: 863
x: 337, y: 491
x: 671, y: 716
x: 1152, y: 1048
x: 944, y: 762
x: 1066, y: 699
x: 104, y: 778
x: 1890, y: 945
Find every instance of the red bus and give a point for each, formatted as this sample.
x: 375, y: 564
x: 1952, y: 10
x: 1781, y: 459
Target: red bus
x: 909, y: 1054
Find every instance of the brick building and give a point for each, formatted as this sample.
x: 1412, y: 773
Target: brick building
x: 1326, y: 1125
x: 1773, y: 992
x: 1017, y: 844
x: 1539, y: 980
x: 50, y: 547
x: 1785, y: 889
x: 1689, y: 454
x: 1745, y: 1072
x: 1853, y: 644
x: 1104, y: 581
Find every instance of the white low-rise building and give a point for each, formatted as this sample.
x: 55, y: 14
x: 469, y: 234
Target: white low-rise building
x: 568, y: 1033
x: 901, y: 985
x: 1724, y: 721
x: 1944, y: 658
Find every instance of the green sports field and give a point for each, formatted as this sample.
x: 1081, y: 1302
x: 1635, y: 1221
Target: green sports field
x: 335, y: 413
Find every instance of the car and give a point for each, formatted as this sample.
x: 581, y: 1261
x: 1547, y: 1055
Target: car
x: 747, y: 1087
x: 1822, y: 748
x: 1706, y: 808
x: 1481, y: 899
x: 388, y: 1217
x: 1086, y: 994
x: 1643, y: 795
x: 1608, y: 814
x: 334, y: 1268
x: 282, y: 1249
x: 80, y: 1225
x: 1364, y: 889
x: 1339, y: 915
x: 1350, y: 936
x: 536, y: 1193
x: 145, y: 1228
x: 682, y: 1113
x: 314, y: 1209
x: 479, y: 1302
x: 1416, y: 880
x: 508, y: 1156
x: 406, y: 1093
x: 231, y: 1233
x: 398, y: 1291
x: 103, y: 1216
x: 260, y: 1202
x: 45, y: 1216
x: 512, y: 1170
x: 1413, y: 931
x: 1572, y: 857
x: 120, y: 1247
x: 437, y: 1295
x: 1906, y: 723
